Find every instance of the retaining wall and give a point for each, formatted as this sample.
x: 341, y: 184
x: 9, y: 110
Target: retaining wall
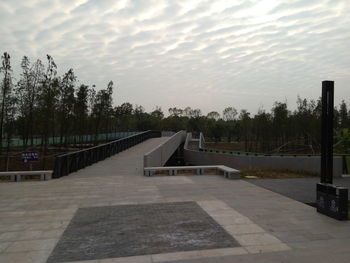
x: 161, y: 154
x: 298, y: 163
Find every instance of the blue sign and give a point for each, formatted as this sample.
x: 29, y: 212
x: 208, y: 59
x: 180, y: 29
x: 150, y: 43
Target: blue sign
x: 30, y: 157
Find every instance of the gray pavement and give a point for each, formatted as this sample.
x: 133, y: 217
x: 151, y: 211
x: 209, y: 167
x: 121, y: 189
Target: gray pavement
x: 299, y: 189
x: 269, y: 227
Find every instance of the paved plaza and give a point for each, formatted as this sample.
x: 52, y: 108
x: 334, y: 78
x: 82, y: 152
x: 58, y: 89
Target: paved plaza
x: 300, y: 189
x: 226, y: 220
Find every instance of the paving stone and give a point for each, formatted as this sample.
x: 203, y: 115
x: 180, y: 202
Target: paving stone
x: 257, y: 239
x: 267, y: 248
x: 300, y: 189
x: 243, y: 229
x: 25, y: 257
x: 232, y: 220
x: 119, y: 180
x: 4, y: 245
x: 129, y: 230
x: 222, y: 252
x: 135, y: 259
x: 164, y: 257
x: 31, y: 245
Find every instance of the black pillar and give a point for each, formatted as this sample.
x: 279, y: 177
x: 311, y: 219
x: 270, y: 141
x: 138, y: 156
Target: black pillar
x: 331, y: 200
x: 327, y: 132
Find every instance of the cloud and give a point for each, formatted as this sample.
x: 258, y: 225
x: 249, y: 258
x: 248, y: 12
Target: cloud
x: 207, y: 54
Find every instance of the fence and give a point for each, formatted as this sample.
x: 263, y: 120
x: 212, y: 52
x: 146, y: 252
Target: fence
x: 73, y: 139
x: 345, y: 157
x: 251, y: 160
x: 346, y: 164
x: 72, y: 162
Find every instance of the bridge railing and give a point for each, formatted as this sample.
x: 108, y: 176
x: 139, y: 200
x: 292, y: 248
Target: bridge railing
x: 161, y: 154
x: 72, y: 162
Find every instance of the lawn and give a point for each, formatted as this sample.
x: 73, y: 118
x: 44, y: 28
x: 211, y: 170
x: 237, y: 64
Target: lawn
x: 264, y: 173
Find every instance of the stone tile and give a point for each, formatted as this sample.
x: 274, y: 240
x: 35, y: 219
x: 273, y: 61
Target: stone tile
x: 290, y: 236
x: 4, y: 245
x: 119, y: 180
x: 213, y: 205
x: 257, y: 239
x: 131, y: 230
x: 85, y: 261
x: 47, y: 226
x: 267, y: 248
x: 53, y: 233
x: 25, y: 257
x: 12, y: 227
x: 8, y: 236
x: 28, y: 235
x: 32, y: 245
x: 317, y: 236
x: 243, y: 229
x: 176, y: 256
x: 232, y: 220
x: 135, y: 259
x: 222, y: 252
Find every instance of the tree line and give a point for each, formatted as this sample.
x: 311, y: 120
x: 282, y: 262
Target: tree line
x: 41, y: 104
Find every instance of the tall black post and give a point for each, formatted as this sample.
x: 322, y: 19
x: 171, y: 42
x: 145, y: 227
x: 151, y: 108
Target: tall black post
x: 327, y: 132
x: 332, y: 200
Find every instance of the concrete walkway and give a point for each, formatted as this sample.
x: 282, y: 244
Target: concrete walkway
x: 269, y: 227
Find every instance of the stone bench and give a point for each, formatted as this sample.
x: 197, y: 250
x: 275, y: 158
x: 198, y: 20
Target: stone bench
x: 229, y: 173
x: 16, y: 176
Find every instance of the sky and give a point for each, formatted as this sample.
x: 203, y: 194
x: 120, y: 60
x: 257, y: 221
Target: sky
x: 177, y: 53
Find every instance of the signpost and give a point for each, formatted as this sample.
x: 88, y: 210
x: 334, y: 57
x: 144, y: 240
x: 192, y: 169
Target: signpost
x: 331, y: 200
x: 30, y: 157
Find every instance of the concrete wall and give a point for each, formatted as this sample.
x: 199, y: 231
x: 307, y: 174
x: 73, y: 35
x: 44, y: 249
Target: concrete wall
x: 161, y: 154
x: 299, y: 163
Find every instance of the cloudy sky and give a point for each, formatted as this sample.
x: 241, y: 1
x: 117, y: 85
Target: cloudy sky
x: 204, y: 54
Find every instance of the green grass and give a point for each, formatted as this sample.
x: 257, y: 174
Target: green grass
x: 266, y: 173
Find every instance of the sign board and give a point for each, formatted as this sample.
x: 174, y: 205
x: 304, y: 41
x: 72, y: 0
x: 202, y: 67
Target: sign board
x: 28, y: 157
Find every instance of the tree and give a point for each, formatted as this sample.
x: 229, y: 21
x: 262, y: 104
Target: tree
x: 343, y: 115
x: 262, y: 130
x: 124, y: 117
x: 244, y: 118
x: 280, y: 115
x: 26, y: 92
x: 213, y: 115
x: 175, y: 112
x: 5, y: 90
x: 48, y: 101
x: 196, y: 113
x: 66, y: 101
x: 81, y: 111
x: 158, y: 113
x: 229, y: 114
x: 102, y: 109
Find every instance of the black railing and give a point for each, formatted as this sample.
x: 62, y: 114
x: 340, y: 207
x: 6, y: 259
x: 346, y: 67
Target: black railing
x: 72, y: 162
x: 346, y: 163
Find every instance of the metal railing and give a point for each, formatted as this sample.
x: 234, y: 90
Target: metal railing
x: 72, y: 162
x: 346, y: 163
x: 74, y: 139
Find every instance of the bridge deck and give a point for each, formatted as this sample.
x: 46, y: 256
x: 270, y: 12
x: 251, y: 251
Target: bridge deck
x: 268, y: 226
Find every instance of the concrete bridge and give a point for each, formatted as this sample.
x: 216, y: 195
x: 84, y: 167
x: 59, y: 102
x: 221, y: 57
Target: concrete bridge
x: 110, y: 212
